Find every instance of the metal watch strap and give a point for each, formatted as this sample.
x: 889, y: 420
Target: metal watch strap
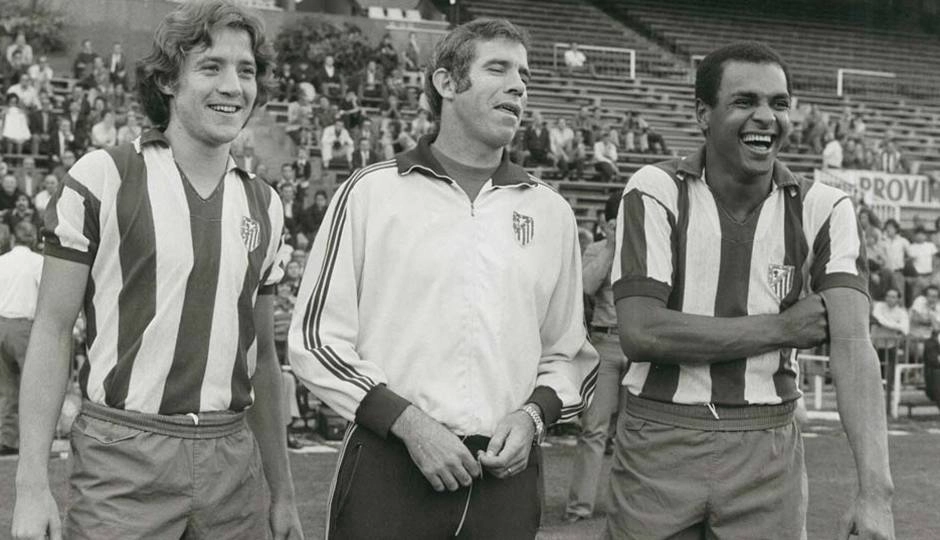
x: 533, y: 412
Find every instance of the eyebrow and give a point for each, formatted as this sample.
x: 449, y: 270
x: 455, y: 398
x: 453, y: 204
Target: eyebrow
x: 222, y: 60
x: 506, y: 64
x: 754, y: 95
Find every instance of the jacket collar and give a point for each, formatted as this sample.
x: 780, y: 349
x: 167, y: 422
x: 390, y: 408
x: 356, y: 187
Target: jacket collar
x: 692, y: 167
x: 421, y: 158
x: 155, y: 136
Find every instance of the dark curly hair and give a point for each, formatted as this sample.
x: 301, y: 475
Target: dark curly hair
x: 188, y: 28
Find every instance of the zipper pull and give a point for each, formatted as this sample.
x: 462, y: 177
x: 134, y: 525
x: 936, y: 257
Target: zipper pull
x: 711, y: 409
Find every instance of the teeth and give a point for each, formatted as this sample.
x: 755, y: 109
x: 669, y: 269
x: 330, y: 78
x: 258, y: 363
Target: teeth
x: 753, y: 137
x: 224, y: 108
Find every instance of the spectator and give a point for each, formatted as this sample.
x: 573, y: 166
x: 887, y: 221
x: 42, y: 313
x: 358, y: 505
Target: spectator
x: 29, y: 97
x: 62, y: 141
x: 104, y: 133
x: 561, y: 139
x: 853, y: 154
x: 370, y: 82
x: 387, y: 55
x: 67, y: 160
x: 390, y: 111
x: 336, y: 143
x: 288, y: 176
x: 412, y: 53
x: 298, y: 110
x: 328, y: 79
x: 537, y: 142
x: 286, y: 84
x: 117, y: 65
x: 50, y: 184
x: 398, y: 139
x: 576, y: 62
x: 924, y: 318
x: 42, y: 126
x: 131, y: 130
x: 21, y: 46
x: 655, y: 142
x: 312, y: 217
x: 15, y: 125
x: 891, y: 319
x: 117, y: 98
x: 303, y: 169
x: 582, y: 123
x: 84, y: 60
x: 895, y: 250
x: 605, y: 158
x: 629, y: 132
x: 363, y: 156
x: 395, y: 86
x: 292, y: 210
x: 9, y: 192
x: 27, y: 180
x: 814, y: 127
x: 261, y: 171
x: 351, y: 111
x: 422, y: 125
x: 98, y: 108
x: 20, y: 272
x: 832, y: 152
x: 323, y: 115
x: 23, y: 211
x: 41, y: 74
x: 921, y: 251
x: 890, y: 159
x: 579, y: 156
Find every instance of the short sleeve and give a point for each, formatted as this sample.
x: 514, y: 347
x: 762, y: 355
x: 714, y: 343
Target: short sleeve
x: 838, y: 252
x: 72, y: 218
x: 277, y: 256
x: 643, y: 260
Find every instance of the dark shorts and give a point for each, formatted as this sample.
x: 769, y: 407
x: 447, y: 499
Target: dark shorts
x: 132, y: 483
x: 669, y: 482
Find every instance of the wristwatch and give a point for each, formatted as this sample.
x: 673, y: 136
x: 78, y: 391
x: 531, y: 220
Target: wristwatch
x: 536, y: 414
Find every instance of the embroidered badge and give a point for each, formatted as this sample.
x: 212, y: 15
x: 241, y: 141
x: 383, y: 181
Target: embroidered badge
x: 780, y: 278
x: 251, y: 233
x: 524, y: 227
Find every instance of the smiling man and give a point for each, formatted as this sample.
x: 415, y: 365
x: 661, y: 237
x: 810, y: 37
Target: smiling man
x: 441, y: 312
x: 170, y: 249
x: 725, y: 262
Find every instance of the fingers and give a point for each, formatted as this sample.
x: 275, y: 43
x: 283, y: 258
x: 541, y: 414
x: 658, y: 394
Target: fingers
x: 498, y: 440
x: 470, y: 464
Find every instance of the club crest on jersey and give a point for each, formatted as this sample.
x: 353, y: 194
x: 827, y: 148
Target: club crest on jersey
x: 780, y: 278
x: 251, y: 233
x: 524, y: 227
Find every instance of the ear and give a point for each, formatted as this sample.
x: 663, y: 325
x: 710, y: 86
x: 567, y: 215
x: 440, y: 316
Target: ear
x: 166, y: 88
x: 702, y: 115
x: 443, y: 83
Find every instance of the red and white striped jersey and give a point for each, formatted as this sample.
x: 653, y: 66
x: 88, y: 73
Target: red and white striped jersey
x: 173, y: 279
x: 676, y: 244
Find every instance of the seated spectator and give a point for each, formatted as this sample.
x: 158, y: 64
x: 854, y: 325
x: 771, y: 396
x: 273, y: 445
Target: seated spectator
x: 117, y: 65
x: 391, y: 110
x: 292, y: 208
x: 84, y: 60
x: 329, y: 81
x: 63, y: 140
x: 15, y: 125
x: 398, y: 140
x: 629, y: 132
x: 311, y: 218
x: 605, y: 158
x: 395, y: 86
x: 537, y: 142
x: 297, y: 110
x: 104, y: 133
x: 578, y: 156
x: 413, y: 54
x: 351, y: 111
x: 921, y: 252
x: 853, y: 154
x: 41, y: 74
x: 303, y: 169
x: 891, y: 319
x: 576, y: 62
x: 29, y: 97
x: 370, y: 82
x: 20, y: 45
x: 27, y: 176
x: 49, y: 186
x: 130, y: 130
x: 323, y: 115
x: 9, y: 192
x: 363, y: 156
x: 117, y: 98
x: 285, y: 83
x: 890, y: 159
x: 42, y: 126
x: 65, y: 163
x: 422, y: 125
x: 387, y: 55
x: 814, y: 127
x: 99, y: 107
x: 655, y: 142
x: 582, y: 123
x: 924, y: 318
x: 23, y: 211
x: 832, y: 152
x: 560, y: 138
x: 336, y: 144
x: 96, y: 77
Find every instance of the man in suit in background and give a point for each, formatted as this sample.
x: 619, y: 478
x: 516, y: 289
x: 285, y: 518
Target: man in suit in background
x: 364, y: 156
x: 42, y: 126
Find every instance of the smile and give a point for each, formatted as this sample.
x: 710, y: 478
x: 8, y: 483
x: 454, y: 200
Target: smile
x: 510, y: 108
x: 759, y: 142
x: 227, y: 109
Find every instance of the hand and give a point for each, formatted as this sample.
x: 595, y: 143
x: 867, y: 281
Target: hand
x: 805, y: 323
x: 439, y: 454
x: 285, y: 522
x: 508, y: 451
x: 610, y: 229
x: 870, y: 518
x: 36, y: 515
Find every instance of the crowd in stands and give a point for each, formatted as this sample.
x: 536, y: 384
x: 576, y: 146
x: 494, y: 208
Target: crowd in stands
x: 843, y: 142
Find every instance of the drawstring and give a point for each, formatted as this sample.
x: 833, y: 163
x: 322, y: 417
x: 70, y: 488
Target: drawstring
x: 466, y: 506
x: 711, y: 408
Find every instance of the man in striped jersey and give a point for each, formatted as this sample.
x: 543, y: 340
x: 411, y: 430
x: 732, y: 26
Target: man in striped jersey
x: 171, y: 251
x: 441, y: 312
x: 726, y: 262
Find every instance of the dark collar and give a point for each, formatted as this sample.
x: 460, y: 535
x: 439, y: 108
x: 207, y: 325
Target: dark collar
x: 692, y: 167
x: 155, y: 136
x: 420, y: 157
